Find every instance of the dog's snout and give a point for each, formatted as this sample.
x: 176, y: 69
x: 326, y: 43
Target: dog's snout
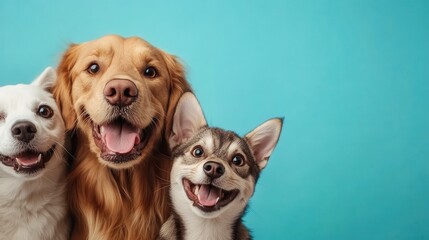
x: 120, y: 92
x: 24, y: 131
x: 213, y: 169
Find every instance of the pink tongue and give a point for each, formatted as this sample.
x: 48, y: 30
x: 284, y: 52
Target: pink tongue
x: 28, y: 159
x: 120, y: 137
x: 208, y: 195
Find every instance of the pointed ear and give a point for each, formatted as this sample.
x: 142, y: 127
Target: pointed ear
x: 46, y: 79
x: 188, y: 118
x: 263, y: 139
x: 178, y: 86
x: 62, y: 90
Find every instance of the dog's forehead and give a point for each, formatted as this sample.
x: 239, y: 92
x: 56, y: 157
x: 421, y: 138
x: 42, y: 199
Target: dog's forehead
x: 15, y: 97
x: 219, y: 142
x: 113, y: 43
x: 228, y: 143
x: 122, y: 52
x: 222, y: 140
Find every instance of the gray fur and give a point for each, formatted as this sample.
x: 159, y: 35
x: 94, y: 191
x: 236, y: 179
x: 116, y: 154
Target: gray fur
x: 214, y: 175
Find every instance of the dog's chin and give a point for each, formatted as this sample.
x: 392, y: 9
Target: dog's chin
x: 207, y: 198
x: 121, y: 144
x: 29, y: 163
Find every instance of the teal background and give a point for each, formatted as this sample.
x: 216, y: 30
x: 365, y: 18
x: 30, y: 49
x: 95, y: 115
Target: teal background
x: 351, y: 79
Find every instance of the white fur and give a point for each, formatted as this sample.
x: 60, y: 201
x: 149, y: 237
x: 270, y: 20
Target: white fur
x: 32, y: 206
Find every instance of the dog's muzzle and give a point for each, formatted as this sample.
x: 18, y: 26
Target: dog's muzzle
x: 29, y: 161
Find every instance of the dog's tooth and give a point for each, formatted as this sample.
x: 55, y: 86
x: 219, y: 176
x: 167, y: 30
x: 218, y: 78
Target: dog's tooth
x: 217, y: 200
x: 18, y: 167
x: 196, y: 190
x: 39, y: 158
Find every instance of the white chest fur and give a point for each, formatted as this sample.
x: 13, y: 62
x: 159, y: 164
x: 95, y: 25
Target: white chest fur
x: 210, y: 229
x: 33, y: 209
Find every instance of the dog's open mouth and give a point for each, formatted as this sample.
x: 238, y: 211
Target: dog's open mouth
x: 29, y: 161
x: 120, y: 141
x: 207, y: 197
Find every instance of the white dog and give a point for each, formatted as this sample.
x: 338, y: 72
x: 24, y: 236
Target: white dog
x: 32, y: 164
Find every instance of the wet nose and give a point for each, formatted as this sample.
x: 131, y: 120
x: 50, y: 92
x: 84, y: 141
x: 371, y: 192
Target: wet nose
x: 213, y: 169
x: 120, y: 92
x: 24, y: 131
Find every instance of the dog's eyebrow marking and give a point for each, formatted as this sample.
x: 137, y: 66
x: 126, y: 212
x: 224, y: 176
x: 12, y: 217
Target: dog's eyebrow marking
x: 103, y: 51
x: 149, y: 60
x: 36, y: 105
x: 223, y: 141
x: 208, y: 141
x: 143, y: 53
x: 234, y: 148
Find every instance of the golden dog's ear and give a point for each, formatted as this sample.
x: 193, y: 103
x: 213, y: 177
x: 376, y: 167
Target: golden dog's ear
x: 62, y: 89
x: 178, y: 86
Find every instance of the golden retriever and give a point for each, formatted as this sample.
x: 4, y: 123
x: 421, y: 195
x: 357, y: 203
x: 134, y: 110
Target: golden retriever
x: 117, y: 96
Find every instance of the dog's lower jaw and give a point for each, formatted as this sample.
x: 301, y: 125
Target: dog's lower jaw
x: 115, y: 162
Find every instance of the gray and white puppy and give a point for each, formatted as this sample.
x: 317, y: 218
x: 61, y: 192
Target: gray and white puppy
x: 213, y: 175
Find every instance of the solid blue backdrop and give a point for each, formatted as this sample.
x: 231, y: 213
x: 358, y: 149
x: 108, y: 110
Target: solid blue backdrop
x: 351, y: 79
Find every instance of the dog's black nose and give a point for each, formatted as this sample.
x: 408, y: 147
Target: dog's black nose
x: 213, y: 169
x: 24, y: 131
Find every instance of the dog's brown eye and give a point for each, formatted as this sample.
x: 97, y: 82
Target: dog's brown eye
x: 93, y: 68
x: 238, y: 160
x: 197, y: 151
x: 2, y: 116
x: 150, y: 72
x: 45, y: 111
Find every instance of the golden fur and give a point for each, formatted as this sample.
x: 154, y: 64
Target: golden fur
x: 109, y: 200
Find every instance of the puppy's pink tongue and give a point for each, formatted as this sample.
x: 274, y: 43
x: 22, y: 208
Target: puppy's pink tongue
x: 28, y: 159
x: 208, y: 195
x: 120, y: 137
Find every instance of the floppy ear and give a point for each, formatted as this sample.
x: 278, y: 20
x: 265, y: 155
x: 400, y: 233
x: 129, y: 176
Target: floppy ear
x: 46, y: 79
x: 263, y: 139
x: 178, y: 86
x: 62, y: 90
x: 188, y: 118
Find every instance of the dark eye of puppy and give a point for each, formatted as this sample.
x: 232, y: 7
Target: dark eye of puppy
x: 2, y: 116
x: 197, y: 152
x: 150, y: 72
x: 93, y: 68
x: 238, y: 160
x: 45, y: 111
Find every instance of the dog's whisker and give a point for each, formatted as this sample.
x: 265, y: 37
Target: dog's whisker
x: 163, y: 179
x: 63, y: 147
x: 162, y: 188
x: 154, y: 123
x: 163, y: 170
x: 46, y: 178
x: 63, y: 158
